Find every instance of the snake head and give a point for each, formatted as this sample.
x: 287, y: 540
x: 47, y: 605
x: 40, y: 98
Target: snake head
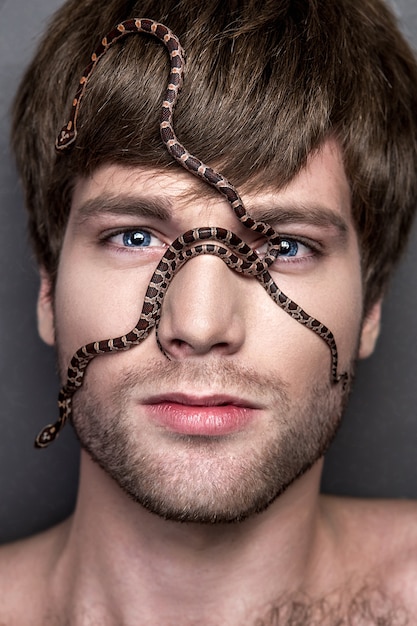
x: 65, y: 138
x: 46, y: 436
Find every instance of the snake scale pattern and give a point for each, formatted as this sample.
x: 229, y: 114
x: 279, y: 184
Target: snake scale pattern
x: 235, y: 253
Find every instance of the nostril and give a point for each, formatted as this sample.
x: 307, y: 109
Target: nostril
x: 178, y: 343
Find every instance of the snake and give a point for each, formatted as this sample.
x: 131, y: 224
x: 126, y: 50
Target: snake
x: 223, y: 243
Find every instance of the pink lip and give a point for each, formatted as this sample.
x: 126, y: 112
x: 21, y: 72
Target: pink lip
x: 204, y: 416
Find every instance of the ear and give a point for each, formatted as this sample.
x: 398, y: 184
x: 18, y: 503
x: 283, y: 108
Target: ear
x: 370, y: 330
x: 45, y: 309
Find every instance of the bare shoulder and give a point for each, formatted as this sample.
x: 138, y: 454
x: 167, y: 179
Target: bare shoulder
x: 25, y: 569
x: 380, y: 535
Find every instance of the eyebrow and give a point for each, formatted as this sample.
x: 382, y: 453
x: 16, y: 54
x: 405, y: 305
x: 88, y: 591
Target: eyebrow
x: 279, y: 215
x: 136, y: 206
x: 160, y: 208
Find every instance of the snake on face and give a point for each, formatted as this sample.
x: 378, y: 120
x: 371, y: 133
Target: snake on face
x: 226, y: 245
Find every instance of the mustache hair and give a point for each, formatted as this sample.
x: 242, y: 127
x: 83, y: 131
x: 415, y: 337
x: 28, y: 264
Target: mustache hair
x: 220, y: 371
x: 221, y: 376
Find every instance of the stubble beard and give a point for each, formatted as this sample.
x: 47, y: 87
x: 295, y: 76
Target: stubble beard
x: 207, y: 479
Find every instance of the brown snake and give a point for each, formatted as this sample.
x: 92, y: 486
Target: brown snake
x: 237, y: 254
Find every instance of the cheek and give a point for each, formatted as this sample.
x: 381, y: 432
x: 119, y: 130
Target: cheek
x: 346, y: 306
x: 91, y: 305
x: 335, y: 299
x: 342, y: 302
x: 288, y: 350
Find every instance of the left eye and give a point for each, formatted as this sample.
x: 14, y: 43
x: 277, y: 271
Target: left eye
x: 135, y: 238
x: 292, y: 248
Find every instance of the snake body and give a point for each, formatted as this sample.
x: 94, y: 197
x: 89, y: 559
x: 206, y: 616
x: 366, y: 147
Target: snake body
x: 237, y: 254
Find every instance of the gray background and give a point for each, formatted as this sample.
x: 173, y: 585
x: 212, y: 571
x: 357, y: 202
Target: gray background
x: 375, y: 453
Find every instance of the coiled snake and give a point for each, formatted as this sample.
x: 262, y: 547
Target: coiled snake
x: 210, y: 240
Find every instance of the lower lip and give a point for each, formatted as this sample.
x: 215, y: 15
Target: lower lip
x: 207, y: 421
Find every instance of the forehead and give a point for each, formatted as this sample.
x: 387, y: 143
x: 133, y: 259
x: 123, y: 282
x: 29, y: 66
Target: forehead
x: 322, y: 183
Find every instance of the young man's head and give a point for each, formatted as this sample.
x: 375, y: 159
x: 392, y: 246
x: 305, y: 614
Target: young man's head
x: 310, y: 109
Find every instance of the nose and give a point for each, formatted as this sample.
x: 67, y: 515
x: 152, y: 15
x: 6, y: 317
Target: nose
x: 203, y: 311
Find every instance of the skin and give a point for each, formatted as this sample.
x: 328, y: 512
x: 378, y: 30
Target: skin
x: 116, y: 563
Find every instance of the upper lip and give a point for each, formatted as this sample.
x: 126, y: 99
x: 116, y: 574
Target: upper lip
x: 201, y: 400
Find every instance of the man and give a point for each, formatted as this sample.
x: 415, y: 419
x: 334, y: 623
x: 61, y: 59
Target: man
x: 205, y: 393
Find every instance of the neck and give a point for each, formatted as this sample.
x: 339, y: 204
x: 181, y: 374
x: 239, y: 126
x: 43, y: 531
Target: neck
x: 136, y: 564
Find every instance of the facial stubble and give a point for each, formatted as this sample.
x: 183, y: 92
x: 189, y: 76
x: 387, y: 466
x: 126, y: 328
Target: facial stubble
x: 207, y: 479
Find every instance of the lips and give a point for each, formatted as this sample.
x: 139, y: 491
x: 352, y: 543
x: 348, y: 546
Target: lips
x: 208, y: 416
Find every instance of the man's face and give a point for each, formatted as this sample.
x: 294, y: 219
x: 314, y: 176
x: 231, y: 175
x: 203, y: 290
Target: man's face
x: 244, y: 403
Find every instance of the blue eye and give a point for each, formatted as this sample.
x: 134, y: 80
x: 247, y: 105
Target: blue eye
x: 136, y: 238
x: 289, y: 247
x: 292, y: 250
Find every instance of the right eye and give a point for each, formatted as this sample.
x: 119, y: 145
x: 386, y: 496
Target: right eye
x: 134, y: 238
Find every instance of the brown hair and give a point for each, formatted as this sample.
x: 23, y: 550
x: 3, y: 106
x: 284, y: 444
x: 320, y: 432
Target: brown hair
x: 266, y: 83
